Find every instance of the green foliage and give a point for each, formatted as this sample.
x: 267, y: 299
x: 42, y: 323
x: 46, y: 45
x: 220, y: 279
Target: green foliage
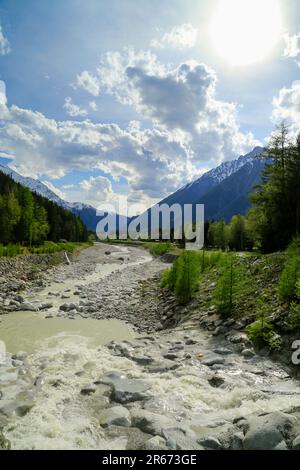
x: 47, y: 248
x: 223, y: 294
x: 159, y: 249
x: 187, y: 279
x: 209, y: 259
x: 237, y: 233
x: 27, y: 218
x: 184, y: 276
x: 233, y: 282
x: 261, y: 333
x: 276, y: 202
x: 295, y: 309
x: 218, y: 235
x: 287, y: 288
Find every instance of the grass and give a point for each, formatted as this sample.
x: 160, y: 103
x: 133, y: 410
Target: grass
x: 12, y: 250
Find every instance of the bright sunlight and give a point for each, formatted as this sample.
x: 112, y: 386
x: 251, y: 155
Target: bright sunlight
x: 246, y: 31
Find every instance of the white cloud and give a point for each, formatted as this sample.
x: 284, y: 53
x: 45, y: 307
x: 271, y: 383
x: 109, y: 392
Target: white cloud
x: 180, y: 37
x: 286, y: 106
x: 151, y: 160
x: 88, y: 82
x: 292, y: 46
x: 189, y: 126
x: 97, y: 190
x: 93, y: 105
x: 3, y: 99
x: 4, y: 44
x: 181, y: 100
x: 73, y: 109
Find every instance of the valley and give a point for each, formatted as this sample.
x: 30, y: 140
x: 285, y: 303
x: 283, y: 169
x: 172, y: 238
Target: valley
x: 94, y: 364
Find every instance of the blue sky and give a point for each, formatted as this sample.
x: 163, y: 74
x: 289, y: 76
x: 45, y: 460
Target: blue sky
x: 134, y: 97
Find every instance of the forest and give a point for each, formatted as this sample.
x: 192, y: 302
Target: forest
x: 29, y: 219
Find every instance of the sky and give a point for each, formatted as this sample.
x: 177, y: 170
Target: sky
x: 101, y: 99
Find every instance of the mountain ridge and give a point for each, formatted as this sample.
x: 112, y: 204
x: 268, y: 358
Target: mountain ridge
x: 207, y: 189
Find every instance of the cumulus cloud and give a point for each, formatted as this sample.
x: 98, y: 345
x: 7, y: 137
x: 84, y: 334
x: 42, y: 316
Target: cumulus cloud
x: 87, y: 82
x: 4, y: 44
x: 96, y: 190
x: 292, y: 45
x: 180, y: 37
x: 73, y: 109
x: 180, y: 99
x: 286, y: 105
x: 93, y: 105
x: 150, y: 160
x: 181, y: 125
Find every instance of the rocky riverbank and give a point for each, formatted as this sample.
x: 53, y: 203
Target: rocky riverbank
x: 189, y: 380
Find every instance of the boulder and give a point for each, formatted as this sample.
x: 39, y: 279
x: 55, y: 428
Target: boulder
x: 151, y: 423
x: 211, y: 361
x: 296, y: 443
x: 155, y: 443
x: 268, y: 431
x: 125, y: 390
x: 210, y: 442
x: 115, y: 416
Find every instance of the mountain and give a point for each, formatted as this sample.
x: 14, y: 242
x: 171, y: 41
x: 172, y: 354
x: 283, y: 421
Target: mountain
x: 231, y: 196
x: 85, y: 212
x: 193, y: 192
x: 223, y: 190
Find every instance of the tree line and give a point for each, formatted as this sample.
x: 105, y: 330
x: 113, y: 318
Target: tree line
x: 28, y: 218
x: 274, y: 216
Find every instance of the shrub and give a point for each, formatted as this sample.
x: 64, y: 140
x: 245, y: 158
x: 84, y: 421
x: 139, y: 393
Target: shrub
x: 183, y: 277
x: 261, y: 333
x: 224, y: 291
x: 187, y: 276
x: 295, y: 309
x: 159, y: 249
x: 290, y: 273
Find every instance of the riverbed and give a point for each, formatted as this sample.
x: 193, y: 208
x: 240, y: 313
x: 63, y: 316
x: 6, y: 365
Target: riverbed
x: 90, y: 379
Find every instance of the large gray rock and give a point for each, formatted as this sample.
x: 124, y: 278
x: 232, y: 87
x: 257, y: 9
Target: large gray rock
x: 210, y: 442
x: 296, y: 443
x: 28, y: 307
x: 151, y: 423
x: 267, y: 432
x: 155, y: 443
x: 117, y: 416
x: 211, y: 361
x: 125, y: 390
x: 179, y: 438
x: 4, y: 443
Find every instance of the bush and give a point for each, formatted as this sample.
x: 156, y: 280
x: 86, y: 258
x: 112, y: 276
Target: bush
x: 223, y: 294
x: 290, y: 274
x: 295, y: 309
x: 209, y: 259
x: 261, y: 333
x: 158, y: 249
x: 187, y: 277
x: 183, y: 277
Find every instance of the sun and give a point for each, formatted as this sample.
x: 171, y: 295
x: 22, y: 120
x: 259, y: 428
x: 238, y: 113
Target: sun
x: 245, y: 32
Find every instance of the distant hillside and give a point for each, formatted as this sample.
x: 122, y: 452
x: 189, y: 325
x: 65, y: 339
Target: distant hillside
x: 231, y: 196
x: 26, y: 217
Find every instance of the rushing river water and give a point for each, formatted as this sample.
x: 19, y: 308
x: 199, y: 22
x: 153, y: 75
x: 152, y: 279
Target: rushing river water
x: 69, y: 356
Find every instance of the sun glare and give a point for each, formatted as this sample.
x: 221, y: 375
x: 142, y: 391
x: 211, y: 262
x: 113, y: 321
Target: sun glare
x: 246, y: 31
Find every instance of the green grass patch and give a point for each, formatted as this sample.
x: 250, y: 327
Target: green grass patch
x: 12, y: 250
